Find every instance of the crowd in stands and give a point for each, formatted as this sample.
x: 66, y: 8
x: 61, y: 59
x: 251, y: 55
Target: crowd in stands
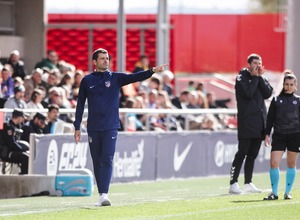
x: 54, y: 85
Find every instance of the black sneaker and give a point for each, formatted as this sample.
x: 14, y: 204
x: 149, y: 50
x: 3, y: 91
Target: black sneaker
x: 288, y: 196
x: 271, y: 196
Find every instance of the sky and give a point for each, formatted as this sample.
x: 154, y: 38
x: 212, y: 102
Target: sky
x: 147, y: 6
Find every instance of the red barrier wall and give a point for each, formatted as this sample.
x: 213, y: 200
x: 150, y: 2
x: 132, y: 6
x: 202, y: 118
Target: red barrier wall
x: 199, y: 43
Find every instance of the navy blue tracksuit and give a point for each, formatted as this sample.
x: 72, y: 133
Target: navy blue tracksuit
x: 102, y: 89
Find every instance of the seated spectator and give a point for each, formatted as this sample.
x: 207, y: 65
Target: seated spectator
x: 202, y: 100
x: 52, y: 80
x: 142, y: 64
x: 66, y: 84
x: 52, y: 118
x: 50, y: 61
x: 164, y: 121
x: 7, y: 83
x: 13, y: 149
x: 168, y: 76
x: 55, y: 125
x: 76, y: 84
x: 36, y: 100
x: 200, y: 87
x: 18, y: 81
x: 133, y: 123
x: 33, y: 82
x: 181, y: 102
x: 17, y: 64
x: 17, y: 101
x: 57, y: 96
x: 36, y: 126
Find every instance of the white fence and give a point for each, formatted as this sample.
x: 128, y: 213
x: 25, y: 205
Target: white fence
x: 185, y: 113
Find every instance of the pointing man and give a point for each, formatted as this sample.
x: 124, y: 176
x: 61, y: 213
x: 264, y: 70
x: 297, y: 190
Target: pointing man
x: 102, y: 88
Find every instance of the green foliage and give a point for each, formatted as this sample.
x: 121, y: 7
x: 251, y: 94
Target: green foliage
x: 267, y: 6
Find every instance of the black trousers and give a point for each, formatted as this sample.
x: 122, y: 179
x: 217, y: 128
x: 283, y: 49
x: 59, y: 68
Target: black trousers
x: 248, y: 148
x: 21, y: 158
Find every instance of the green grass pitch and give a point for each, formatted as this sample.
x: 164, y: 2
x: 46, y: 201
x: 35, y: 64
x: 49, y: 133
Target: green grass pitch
x: 193, y: 198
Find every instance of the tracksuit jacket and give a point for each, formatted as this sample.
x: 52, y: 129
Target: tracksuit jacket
x: 251, y: 92
x: 102, y: 90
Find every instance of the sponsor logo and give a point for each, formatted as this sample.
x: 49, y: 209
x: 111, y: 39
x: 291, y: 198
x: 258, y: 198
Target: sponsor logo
x: 52, y: 158
x: 114, y: 137
x: 92, y: 86
x: 224, y: 153
x: 73, y: 156
x: 107, y: 84
x: 129, y: 164
x: 180, y: 158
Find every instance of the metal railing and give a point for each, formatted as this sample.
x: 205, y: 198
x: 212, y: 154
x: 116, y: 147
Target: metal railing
x: 148, y: 112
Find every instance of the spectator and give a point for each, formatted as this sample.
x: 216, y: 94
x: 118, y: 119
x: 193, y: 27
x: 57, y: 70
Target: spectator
x: 181, y: 102
x: 36, y: 100
x: 36, y: 126
x: 133, y: 123
x: 168, y: 76
x: 76, y: 84
x: 18, y: 81
x: 200, y: 87
x: 155, y: 83
x: 66, y: 84
x: 142, y: 64
x: 33, y: 82
x: 164, y: 121
x: 17, y: 64
x: 52, y: 80
x: 7, y: 84
x: 211, y: 100
x: 202, y: 100
x: 191, y: 86
x: 14, y: 150
x: 52, y: 118
x: 50, y: 62
x: 17, y: 101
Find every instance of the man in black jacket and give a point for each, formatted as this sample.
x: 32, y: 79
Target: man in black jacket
x: 14, y: 150
x: 36, y: 126
x: 252, y: 88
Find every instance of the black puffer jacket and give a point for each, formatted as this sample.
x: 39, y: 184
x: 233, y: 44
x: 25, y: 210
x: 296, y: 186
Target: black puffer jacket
x: 251, y: 92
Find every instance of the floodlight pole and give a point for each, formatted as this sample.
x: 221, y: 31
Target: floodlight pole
x: 292, y: 46
x: 162, y: 33
x: 121, y: 38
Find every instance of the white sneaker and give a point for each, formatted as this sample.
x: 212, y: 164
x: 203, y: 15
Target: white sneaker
x: 235, y: 189
x: 103, y: 201
x: 251, y: 188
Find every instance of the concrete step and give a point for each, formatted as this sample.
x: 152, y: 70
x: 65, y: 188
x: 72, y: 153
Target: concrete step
x: 15, y: 186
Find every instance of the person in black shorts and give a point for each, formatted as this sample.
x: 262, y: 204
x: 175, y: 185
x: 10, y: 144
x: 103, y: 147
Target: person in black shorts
x: 284, y: 118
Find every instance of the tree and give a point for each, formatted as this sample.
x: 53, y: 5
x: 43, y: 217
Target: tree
x: 268, y: 6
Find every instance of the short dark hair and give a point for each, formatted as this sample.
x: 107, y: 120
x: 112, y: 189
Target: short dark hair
x: 96, y: 52
x: 53, y: 106
x: 252, y: 57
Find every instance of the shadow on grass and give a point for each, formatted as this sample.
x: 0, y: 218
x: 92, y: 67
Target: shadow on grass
x: 246, y: 201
